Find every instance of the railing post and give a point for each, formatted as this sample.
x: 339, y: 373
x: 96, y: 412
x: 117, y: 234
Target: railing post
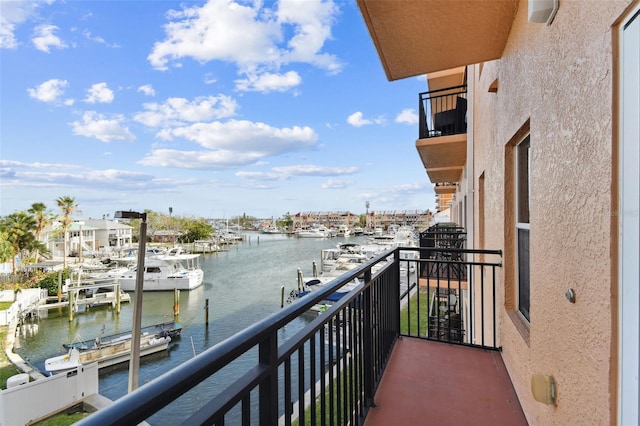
x: 368, y: 350
x: 268, y: 391
x: 396, y: 294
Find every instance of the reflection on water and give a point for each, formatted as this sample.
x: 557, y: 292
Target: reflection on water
x: 242, y: 285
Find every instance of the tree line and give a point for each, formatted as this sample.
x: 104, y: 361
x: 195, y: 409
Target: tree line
x: 21, y: 232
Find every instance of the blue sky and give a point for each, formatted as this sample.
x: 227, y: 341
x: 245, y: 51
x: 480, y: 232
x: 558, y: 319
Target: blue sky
x: 215, y: 109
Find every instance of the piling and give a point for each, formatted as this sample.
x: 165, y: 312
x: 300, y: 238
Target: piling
x: 282, y: 297
x: 176, y: 302
x: 70, y: 292
x: 116, y: 289
x: 315, y: 270
x: 300, y: 280
x: 206, y: 312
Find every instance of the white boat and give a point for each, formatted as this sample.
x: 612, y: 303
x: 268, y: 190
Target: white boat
x: 165, y: 272
x: 343, y: 257
x: 271, y: 230
x: 315, y: 232
x: 343, y: 231
x: 106, y: 355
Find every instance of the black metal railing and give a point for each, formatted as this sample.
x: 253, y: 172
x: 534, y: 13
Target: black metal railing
x: 443, y: 112
x: 326, y: 373
x: 456, y: 299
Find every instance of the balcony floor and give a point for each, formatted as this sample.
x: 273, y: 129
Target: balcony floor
x: 443, y: 384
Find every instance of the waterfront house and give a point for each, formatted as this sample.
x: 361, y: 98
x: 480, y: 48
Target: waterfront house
x: 80, y: 238
x: 529, y: 127
x: 111, y: 234
x: 165, y: 236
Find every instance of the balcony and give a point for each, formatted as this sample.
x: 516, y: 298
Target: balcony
x: 442, y: 143
x: 415, y: 37
x: 384, y: 351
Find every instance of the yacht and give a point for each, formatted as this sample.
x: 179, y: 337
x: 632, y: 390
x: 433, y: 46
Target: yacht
x: 165, y: 272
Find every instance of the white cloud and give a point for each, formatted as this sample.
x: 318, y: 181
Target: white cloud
x: 357, y: 120
x: 57, y: 175
x: 336, y: 184
x: 219, y: 159
x: 94, y: 125
x: 407, y: 116
x: 230, y: 144
x: 262, y: 175
x: 179, y: 111
x: 147, y: 89
x: 251, y: 36
x: 13, y: 14
x: 246, y: 136
x: 99, y: 93
x: 397, y: 194
x: 287, y: 172
x: 269, y: 82
x: 311, y: 170
x: 44, y: 38
x: 87, y: 34
x: 49, y: 91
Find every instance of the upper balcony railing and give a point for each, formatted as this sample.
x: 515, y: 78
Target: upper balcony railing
x: 328, y: 371
x: 443, y: 112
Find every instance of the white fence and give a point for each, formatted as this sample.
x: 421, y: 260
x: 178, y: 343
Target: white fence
x: 24, y: 300
x: 27, y: 402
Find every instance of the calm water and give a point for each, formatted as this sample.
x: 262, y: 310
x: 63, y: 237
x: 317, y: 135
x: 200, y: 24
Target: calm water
x: 242, y: 285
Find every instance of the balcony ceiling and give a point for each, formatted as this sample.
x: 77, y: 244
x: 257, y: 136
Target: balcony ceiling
x: 443, y: 157
x: 415, y: 37
x: 445, y: 189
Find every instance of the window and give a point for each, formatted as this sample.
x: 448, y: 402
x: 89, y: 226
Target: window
x: 522, y: 194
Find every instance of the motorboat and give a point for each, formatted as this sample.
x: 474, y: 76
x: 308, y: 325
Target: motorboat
x: 343, y: 231
x: 315, y: 232
x: 106, y: 355
x: 165, y: 272
x: 168, y: 328
x: 342, y: 258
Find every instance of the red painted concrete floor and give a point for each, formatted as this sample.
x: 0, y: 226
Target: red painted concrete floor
x: 433, y: 383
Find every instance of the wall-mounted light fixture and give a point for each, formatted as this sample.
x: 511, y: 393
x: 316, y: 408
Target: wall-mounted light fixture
x: 543, y: 11
x: 543, y: 388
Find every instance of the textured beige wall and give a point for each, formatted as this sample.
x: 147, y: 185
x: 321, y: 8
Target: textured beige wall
x: 558, y: 77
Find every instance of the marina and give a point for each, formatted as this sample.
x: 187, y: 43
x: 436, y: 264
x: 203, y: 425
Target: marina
x: 241, y: 286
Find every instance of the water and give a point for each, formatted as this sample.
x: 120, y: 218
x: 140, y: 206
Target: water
x: 243, y: 286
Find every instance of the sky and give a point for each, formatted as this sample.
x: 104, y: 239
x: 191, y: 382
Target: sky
x: 213, y: 109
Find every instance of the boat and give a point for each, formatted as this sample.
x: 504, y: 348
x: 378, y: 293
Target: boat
x: 271, y: 229
x: 165, y: 272
x: 343, y: 231
x: 316, y: 231
x: 169, y: 328
x: 343, y: 257
x: 106, y: 355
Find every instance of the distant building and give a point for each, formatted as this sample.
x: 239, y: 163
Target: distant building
x: 416, y: 218
x: 168, y: 237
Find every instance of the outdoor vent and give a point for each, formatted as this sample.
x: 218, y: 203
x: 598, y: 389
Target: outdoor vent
x: 542, y: 11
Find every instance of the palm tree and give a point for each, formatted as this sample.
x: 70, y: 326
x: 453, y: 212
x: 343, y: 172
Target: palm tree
x: 19, y: 228
x: 43, y: 219
x: 68, y: 206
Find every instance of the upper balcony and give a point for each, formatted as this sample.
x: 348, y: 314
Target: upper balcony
x: 392, y: 347
x: 415, y: 37
x: 442, y: 143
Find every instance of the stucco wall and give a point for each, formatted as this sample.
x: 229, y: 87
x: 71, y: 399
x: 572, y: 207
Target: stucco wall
x: 559, y: 77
